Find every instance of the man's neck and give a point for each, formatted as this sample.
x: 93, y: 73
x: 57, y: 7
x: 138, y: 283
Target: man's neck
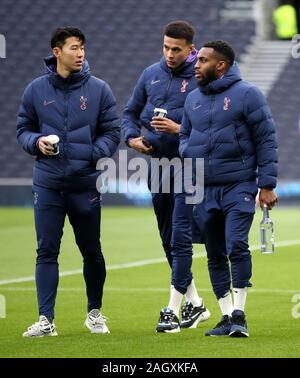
x: 177, y: 69
x: 222, y: 73
x: 62, y: 71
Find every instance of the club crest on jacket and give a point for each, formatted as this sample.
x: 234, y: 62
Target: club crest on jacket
x: 226, y: 103
x: 184, y: 84
x: 83, y: 103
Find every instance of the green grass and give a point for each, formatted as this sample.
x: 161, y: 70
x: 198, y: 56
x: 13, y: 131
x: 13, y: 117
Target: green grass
x: 134, y: 296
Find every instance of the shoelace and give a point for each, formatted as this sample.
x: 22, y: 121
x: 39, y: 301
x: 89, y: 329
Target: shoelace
x: 166, y: 317
x: 186, y: 310
x: 40, y: 325
x: 34, y: 326
x: 99, y: 320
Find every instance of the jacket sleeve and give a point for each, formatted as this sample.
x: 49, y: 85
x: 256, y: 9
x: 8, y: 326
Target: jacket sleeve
x: 185, y: 132
x: 108, y: 129
x: 131, y: 127
x: 259, y: 119
x: 28, y: 124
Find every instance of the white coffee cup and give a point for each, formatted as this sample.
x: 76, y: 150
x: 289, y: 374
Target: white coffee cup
x: 53, y: 139
x: 159, y: 112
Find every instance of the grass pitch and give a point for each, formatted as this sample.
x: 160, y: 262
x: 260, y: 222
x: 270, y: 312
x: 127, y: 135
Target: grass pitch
x: 135, y: 293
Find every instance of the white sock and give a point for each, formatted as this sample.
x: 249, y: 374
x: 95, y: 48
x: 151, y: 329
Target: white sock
x: 239, y: 298
x: 192, y: 296
x: 225, y: 304
x: 175, y: 300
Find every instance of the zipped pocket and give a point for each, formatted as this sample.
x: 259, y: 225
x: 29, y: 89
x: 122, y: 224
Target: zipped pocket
x: 239, y: 146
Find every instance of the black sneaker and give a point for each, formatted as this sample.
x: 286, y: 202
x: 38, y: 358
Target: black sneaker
x: 238, y: 324
x: 168, y: 321
x: 222, y: 328
x: 191, y: 316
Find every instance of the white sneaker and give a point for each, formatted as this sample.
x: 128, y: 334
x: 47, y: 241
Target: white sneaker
x: 191, y: 315
x: 95, y: 322
x: 41, y: 328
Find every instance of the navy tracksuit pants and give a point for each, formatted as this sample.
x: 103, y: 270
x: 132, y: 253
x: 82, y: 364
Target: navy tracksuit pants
x: 83, y: 209
x: 174, y: 220
x: 224, y: 218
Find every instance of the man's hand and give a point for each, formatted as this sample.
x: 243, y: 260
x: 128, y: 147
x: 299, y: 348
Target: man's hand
x: 44, y: 146
x: 166, y: 125
x: 267, y: 197
x: 138, y: 145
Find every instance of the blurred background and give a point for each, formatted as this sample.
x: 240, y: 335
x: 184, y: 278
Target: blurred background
x: 124, y: 37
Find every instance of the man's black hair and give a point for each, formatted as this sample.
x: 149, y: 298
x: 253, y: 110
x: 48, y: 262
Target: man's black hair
x: 222, y: 48
x: 60, y: 35
x: 180, y: 30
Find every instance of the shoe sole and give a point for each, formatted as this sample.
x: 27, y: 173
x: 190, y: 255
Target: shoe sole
x: 176, y: 330
x: 201, y: 318
x: 45, y: 335
x: 239, y: 332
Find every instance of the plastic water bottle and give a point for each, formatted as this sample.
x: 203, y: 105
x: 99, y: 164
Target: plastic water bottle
x: 266, y: 232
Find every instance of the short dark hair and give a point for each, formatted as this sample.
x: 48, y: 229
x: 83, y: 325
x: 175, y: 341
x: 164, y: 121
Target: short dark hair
x: 60, y: 35
x: 180, y: 30
x: 222, y: 48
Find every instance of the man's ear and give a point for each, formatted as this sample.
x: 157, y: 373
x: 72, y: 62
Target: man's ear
x: 192, y: 47
x: 56, y: 52
x: 221, y: 65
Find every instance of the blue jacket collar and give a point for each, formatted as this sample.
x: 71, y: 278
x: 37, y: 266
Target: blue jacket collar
x: 73, y: 81
x: 227, y: 80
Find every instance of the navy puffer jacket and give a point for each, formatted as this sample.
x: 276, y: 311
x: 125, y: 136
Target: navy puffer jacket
x: 81, y: 110
x: 229, y: 124
x: 159, y: 87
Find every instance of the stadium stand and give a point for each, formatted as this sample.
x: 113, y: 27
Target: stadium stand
x: 123, y: 38
x: 284, y: 101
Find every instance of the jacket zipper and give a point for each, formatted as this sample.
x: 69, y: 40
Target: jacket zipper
x: 210, y: 128
x: 239, y: 146
x: 65, y: 124
x: 168, y: 87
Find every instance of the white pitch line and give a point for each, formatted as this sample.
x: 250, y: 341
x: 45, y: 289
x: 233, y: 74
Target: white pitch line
x: 140, y: 263
x: 147, y: 289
